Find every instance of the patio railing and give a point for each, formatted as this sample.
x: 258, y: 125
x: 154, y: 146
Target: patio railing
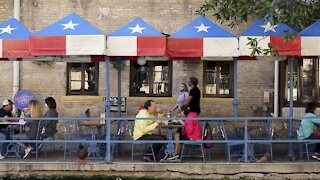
x: 110, y: 140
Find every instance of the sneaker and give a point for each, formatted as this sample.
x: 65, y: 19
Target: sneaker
x: 147, y: 158
x: 315, y: 156
x: 173, y: 157
x: 27, y: 152
x: 1, y: 157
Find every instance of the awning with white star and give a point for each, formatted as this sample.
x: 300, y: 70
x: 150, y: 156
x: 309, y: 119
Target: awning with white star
x: 71, y: 35
x: 202, y: 38
x: 266, y: 34
x: 137, y: 38
x: 310, y: 40
x: 14, y: 41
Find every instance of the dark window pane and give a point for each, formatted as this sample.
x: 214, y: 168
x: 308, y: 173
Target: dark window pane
x: 217, y: 78
x: 151, y: 79
x: 82, y: 78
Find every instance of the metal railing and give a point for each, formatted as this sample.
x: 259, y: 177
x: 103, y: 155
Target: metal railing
x: 112, y: 139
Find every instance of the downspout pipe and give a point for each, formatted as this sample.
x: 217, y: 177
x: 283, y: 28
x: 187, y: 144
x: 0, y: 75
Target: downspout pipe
x: 16, y: 64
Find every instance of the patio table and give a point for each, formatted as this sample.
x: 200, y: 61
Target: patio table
x: 93, y: 149
x: 13, y: 148
x: 250, y: 151
x: 170, y: 150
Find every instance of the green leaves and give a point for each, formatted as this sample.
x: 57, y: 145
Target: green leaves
x: 298, y: 14
x: 295, y: 13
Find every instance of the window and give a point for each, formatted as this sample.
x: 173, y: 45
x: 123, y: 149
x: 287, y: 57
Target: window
x: 152, y: 79
x: 306, y: 84
x: 218, y: 78
x: 82, y: 78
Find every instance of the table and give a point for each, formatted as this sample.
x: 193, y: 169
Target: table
x: 170, y: 150
x: 93, y: 149
x: 13, y: 148
x: 250, y: 150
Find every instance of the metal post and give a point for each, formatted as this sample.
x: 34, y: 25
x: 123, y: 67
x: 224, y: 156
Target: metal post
x: 235, y: 102
x: 246, y: 140
x: 119, y: 63
x: 235, y: 95
x: 290, y: 135
x: 107, y: 107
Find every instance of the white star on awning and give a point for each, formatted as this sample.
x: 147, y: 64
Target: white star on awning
x: 7, y: 29
x: 269, y: 27
x: 137, y: 29
x: 202, y: 27
x: 69, y: 25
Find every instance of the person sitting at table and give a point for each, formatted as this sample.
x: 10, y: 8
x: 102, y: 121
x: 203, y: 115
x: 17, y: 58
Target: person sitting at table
x: 181, y: 98
x: 308, y: 123
x: 35, y: 112
x: 143, y: 128
x: 5, y: 111
x: 191, y: 128
x: 49, y: 127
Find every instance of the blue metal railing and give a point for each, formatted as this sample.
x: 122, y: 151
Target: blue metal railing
x: 109, y: 141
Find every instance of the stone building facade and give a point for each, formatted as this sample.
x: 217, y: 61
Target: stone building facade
x: 50, y: 78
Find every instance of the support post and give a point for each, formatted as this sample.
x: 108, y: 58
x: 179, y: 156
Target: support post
x: 290, y: 134
x: 235, y: 102
x: 107, y: 107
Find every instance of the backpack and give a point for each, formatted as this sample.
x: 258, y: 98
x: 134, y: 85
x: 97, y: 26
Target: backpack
x: 208, y: 136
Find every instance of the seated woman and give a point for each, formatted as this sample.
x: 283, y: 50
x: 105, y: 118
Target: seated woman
x: 308, y: 123
x: 35, y: 112
x: 191, y: 128
x: 49, y: 128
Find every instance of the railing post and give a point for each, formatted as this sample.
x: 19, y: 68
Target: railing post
x: 107, y: 118
x: 246, y: 140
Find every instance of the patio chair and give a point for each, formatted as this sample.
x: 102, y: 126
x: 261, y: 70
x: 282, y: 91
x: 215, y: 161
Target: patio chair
x: 72, y: 131
x: 191, y: 144
x: 233, y: 149
x: 265, y: 133
x: 144, y: 145
x: 308, y: 146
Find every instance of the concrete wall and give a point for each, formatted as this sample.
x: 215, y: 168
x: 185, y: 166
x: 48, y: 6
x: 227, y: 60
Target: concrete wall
x: 49, y: 79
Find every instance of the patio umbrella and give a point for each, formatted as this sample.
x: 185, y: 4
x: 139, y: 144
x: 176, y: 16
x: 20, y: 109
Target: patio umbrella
x: 137, y: 38
x: 14, y: 41
x: 267, y: 34
x: 203, y: 39
x: 310, y: 40
x: 71, y: 35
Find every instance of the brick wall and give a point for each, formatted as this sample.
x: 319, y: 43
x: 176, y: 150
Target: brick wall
x: 49, y: 79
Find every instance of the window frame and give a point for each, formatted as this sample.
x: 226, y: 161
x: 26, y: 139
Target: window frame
x: 284, y: 78
x: 205, y: 65
x: 82, y: 92
x: 132, y: 93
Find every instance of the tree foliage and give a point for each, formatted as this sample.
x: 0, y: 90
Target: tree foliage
x: 298, y: 14
x: 295, y: 13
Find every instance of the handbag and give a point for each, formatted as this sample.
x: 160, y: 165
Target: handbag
x: 207, y: 136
